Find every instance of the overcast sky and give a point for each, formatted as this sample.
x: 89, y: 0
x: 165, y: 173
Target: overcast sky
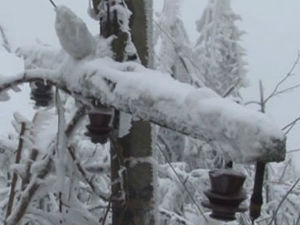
x: 272, y: 42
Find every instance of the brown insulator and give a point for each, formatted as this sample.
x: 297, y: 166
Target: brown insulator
x: 226, y: 194
x: 41, y: 93
x: 100, y: 126
x: 256, y: 198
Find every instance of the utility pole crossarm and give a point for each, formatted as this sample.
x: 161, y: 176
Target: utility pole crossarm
x: 243, y: 134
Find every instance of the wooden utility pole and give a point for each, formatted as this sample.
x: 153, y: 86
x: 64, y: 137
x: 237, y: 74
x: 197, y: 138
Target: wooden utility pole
x: 131, y: 154
x: 138, y: 143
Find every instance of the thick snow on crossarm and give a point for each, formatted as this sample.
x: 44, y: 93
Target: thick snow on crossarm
x: 241, y: 134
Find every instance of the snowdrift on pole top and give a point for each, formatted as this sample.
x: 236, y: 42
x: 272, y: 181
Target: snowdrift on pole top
x: 73, y: 34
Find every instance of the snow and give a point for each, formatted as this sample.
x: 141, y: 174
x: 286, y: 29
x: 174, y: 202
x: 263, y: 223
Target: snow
x: 244, y: 135
x: 225, y: 120
x: 44, y: 128
x: 73, y: 34
x: 48, y: 56
x: 125, y: 124
x: 239, y: 133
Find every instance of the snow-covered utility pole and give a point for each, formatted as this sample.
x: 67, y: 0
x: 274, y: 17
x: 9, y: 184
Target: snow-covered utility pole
x: 131, y: 155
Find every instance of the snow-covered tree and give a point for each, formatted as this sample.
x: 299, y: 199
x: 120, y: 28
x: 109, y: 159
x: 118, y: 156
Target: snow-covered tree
x: 101, y: 73
x: 218, y: 48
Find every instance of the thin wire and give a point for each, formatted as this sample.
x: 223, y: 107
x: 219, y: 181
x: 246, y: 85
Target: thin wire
x: 183, y: 184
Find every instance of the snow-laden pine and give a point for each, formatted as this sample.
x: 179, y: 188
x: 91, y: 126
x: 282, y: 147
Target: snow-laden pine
x: 218, y: 49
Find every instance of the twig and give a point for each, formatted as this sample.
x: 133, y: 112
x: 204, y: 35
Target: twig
x: 282, y: 200
x: 106, y: 212
x: 15, y: 176
x: 293, y: 150
x: 232, y: 88
x: 33, y: 156
x: 290, y: 125
x: 52, y: 3
x: 28, y: 194
x: 84, y: 175
x: 262, y: 98
x: 183, y: 184
x: 252, y: 102
x: 289, y: 74
x: 80, y: 113
x: 33, y: 187
x: 6, y: 43
x: 287, y: 90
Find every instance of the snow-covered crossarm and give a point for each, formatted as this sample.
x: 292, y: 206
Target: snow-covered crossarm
x: 243, y: 135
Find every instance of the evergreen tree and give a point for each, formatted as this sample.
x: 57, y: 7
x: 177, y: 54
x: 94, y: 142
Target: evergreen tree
x: 218, y: 50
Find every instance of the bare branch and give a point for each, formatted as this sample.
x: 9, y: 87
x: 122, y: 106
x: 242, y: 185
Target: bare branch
x: 80, y: 113
x: 287, y: 90
x: 53, y: 4
x: 262, y: 97
x: 28, y: 194
x: 6, y: 43
x: 293, y: 150
x: 33, y: 187
x: 106, y: 212
x: 15, y: 176
x: 182, y: 182
x: 103, y: 196
x: 282, y: 200
x: 252, y: 102
x: 232, y: 88
x: 290, y: 125
x: 286, y: 77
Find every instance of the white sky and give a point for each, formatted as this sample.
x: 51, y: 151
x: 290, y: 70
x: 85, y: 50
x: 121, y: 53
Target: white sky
x: 272, y: 42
